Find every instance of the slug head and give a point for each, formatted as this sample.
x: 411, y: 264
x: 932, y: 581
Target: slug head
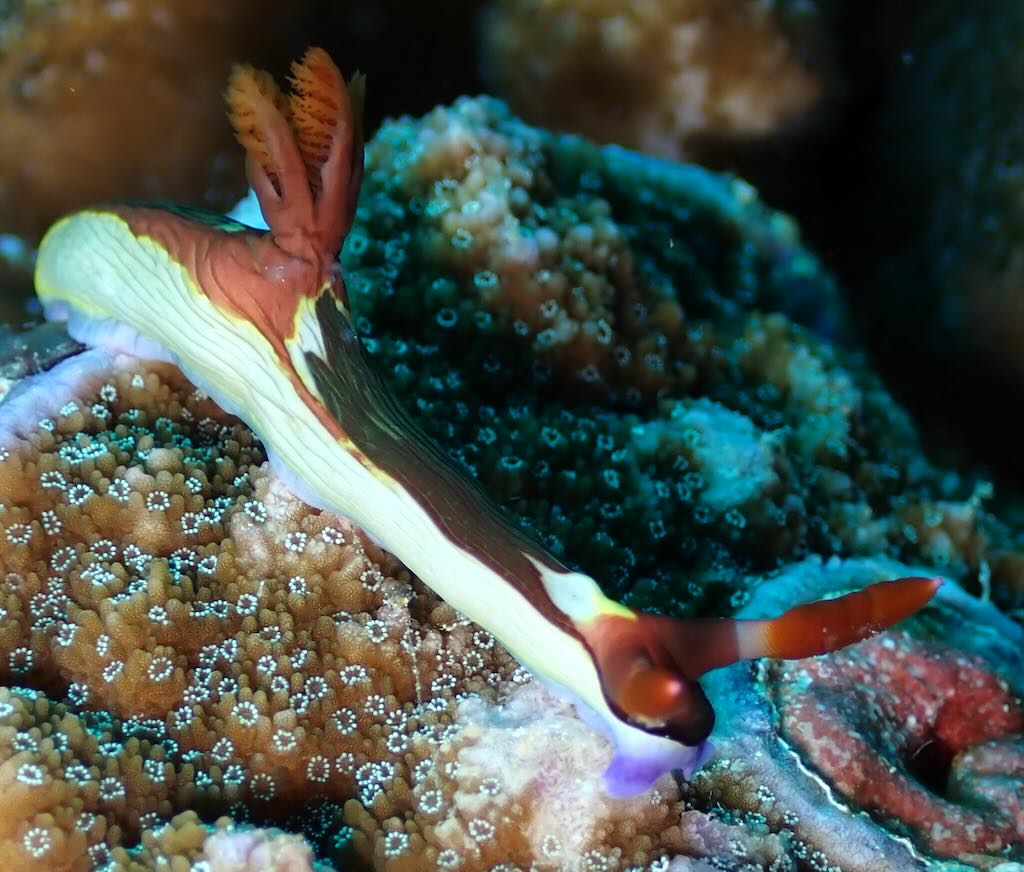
x: 650, y: 664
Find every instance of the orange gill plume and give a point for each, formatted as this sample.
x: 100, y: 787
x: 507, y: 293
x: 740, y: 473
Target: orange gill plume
x: 650, y: 664
x: 304, y: 151
x: 257, y: 110
x: 327, y: 118
x: 317, y: 108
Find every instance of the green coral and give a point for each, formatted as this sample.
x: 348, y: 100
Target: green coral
x: 637, y: 357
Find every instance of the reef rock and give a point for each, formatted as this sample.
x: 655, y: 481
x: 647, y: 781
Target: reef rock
x: 642, y: 362
x: 649, y: 369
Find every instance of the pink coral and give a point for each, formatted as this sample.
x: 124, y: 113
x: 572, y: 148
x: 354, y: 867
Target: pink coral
x: 882, y: 721
x: 804, y: 747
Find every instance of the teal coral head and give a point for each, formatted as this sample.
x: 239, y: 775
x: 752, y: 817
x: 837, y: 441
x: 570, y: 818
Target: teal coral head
x: 261, y: 322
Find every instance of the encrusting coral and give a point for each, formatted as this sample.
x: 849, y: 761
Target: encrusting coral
x: 149, y: 559
x: 672, y: 78
x: 214, y: 639
x: 148, y: 554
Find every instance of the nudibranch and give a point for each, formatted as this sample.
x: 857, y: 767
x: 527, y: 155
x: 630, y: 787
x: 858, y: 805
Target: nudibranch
x: 261, y: 322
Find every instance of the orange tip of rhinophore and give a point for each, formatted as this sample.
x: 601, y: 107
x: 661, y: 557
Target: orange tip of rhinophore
x: 907, y: 595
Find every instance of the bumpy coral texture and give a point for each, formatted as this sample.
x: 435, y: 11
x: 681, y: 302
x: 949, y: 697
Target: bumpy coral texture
x: 663, y: 77
x: 911, y: 706
x: 180, y: 634
x: 630, y: 354
x: 182, y: 640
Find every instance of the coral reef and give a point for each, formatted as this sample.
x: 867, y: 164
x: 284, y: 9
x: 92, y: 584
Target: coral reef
x: 675, y: 78
x: 198, y: 641
x: 218, y: 646
x: 104, y: 100
x: 274, y: 301
x: 600, y: 339
x: 941, y: 707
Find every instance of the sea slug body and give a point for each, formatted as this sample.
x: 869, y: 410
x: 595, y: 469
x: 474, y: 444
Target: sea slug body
x: 260, y: 321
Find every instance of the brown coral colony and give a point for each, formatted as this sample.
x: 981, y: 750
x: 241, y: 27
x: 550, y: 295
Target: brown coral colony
x: 252, y: 649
